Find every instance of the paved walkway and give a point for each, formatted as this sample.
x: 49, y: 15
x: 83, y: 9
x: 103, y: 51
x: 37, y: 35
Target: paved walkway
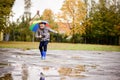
x: 17, y: 64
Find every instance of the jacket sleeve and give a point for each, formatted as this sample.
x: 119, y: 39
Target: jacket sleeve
x: 51, y: 30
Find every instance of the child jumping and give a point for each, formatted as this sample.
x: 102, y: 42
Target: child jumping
x: 44, y: 34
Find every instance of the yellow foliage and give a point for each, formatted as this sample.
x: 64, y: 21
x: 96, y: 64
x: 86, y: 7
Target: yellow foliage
x: 47, y: 14
x: 74, y: 12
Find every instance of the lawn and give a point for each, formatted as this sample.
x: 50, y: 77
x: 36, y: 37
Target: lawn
x: 60, y: 46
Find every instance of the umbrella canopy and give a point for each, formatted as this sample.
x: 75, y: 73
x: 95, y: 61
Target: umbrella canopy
x: 35, y: 25
x: 39, y: 21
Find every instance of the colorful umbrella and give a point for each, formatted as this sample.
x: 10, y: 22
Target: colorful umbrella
x: 35, y: 25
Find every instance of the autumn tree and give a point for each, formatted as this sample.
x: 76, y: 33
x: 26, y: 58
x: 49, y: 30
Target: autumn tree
x: 74, y: 12
x: 5, y: 9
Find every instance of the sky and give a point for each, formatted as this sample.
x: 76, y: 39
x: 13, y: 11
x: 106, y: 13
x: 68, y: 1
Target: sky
x: 41, y: 5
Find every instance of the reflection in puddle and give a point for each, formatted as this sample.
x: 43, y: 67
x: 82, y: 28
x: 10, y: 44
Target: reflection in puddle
x: 2, y: 65
x: 31, y: 72
x: 24, y: 72
x: 42, y: 76
x: 6, y: 77
x: 46, y: 68
x: 72, y: 72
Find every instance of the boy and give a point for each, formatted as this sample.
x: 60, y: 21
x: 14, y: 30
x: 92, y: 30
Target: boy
x: 44, y: 35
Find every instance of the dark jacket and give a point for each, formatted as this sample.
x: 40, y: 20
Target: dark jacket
x: 44, y: 34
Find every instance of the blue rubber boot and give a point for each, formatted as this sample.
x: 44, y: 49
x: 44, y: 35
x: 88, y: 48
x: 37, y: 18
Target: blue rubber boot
x: 44, y: 55
x: 42, y: 52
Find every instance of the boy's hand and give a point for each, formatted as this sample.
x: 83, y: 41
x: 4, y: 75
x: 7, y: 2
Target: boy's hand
x: 39, y: 36
x: 56, y: 32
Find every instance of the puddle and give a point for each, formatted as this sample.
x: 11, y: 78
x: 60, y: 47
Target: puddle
x: 2, y: 65
x: 30, y: 72
x: 59, y: 65
x: 6, y: 77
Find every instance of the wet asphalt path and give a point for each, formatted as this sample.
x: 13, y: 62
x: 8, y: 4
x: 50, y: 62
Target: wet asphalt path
x: 18, y: 64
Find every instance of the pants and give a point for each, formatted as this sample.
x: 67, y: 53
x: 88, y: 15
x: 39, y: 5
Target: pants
x: 43, y: 46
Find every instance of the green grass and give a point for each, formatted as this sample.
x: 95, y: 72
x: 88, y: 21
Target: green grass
x: 60, y: 46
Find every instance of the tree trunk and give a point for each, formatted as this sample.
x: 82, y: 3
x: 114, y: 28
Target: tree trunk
x: 119, y: 41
